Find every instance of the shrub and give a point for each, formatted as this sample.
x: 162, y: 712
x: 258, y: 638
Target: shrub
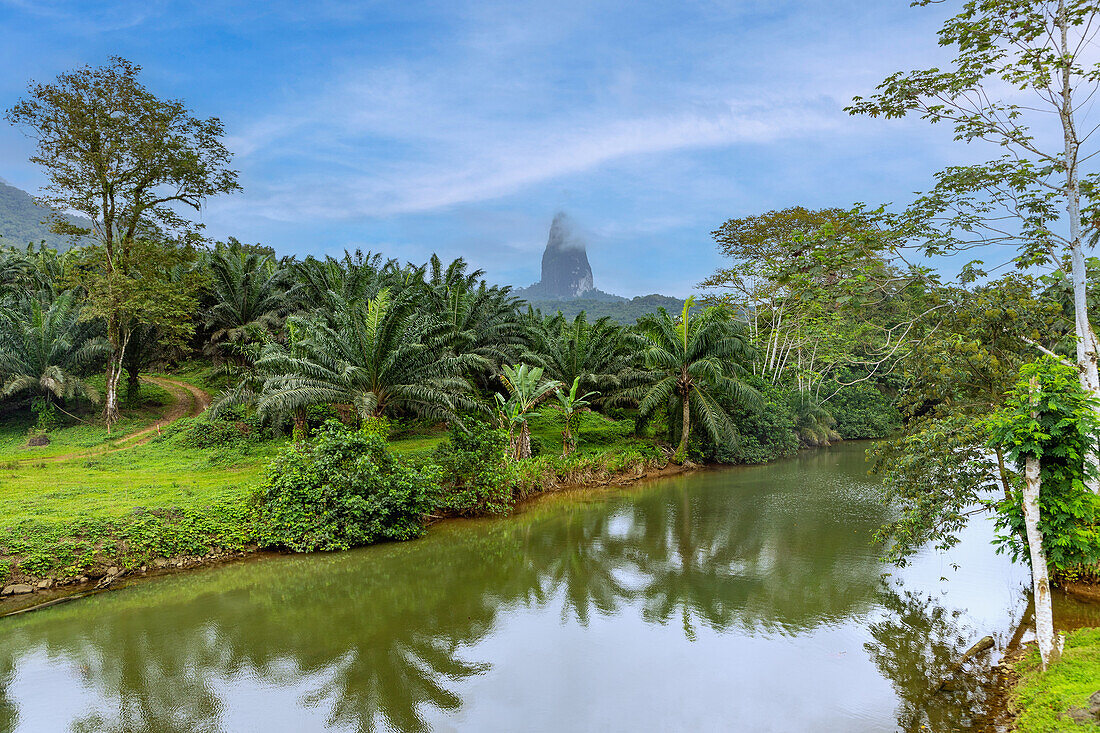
x: 863, y: 411
x: 342, y: 490
x: 765, y: 434
x: 476, y: 475
x: 232, y: 428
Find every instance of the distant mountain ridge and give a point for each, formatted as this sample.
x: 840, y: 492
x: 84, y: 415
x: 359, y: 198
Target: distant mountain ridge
x: 22, y: 221
x: 623, y: 310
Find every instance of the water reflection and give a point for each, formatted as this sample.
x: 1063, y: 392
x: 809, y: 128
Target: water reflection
x: 393, y: 637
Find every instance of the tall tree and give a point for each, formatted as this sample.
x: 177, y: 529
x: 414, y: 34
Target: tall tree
x: 248, y: 295
x: 128, y: 161
x: 1031, y: 197
x: 822, y: 294
x: 481, y: 319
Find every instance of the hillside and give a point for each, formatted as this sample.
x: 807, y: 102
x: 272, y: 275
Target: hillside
x: 622, y: 310
x: 22, y: 221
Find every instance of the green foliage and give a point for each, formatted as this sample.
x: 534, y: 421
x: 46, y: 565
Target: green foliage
x: 377, y: 355
x: 861, y: 411
x: 1042, y: 699
x: 570, y: 405
x: 602, y: 355
x: 45, y: 346
x: 936, y: 473
x: 1048, y: 416
x: 67, y: 549
x: 476, y: 475
x: 766, y: 431
x: 226, y: 430
x: 698, y: 362
x: 526, y: 391
x: 45, y: 414
x: 551, y: 471
x: 813, y: 423
x: 622, y: 311
x: 342, y: 490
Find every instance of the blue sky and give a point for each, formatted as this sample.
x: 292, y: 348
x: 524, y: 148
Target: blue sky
x: 461, y: 128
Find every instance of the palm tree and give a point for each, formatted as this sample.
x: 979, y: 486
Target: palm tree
x: 42, y: 347
x: 369, y: 354
x: 526, y: 390
x: 569, y: 404
x: 481, y: 319
x: 697, y: 358
x: 249, y: 296
x: 324, y: 284
x: 603, y: 354
x: 812, y: 422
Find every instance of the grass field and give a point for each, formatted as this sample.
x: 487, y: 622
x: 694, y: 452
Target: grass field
x: 81, y: 431
x: 61, y: 514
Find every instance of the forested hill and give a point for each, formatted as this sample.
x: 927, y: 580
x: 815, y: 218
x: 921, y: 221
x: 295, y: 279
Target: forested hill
x: 624, y: 311
x: 22, y: 221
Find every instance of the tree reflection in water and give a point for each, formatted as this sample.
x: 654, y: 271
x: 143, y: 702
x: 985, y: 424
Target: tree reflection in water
x: 916, y: 646
x: 379, y: 638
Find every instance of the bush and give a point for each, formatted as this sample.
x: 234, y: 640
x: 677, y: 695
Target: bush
x: 342, y: 490
x: 765, y: 434
x: 476, y: 475
x: 863, y: 411
x: 232, y: 428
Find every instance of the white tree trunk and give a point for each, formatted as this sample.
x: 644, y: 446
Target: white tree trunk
x: 1087, y: 344
x: 1049, y: 650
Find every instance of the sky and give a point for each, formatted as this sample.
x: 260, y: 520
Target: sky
x: 461, y: 128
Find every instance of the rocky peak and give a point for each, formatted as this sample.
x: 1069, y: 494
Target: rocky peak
x: 565, y: 269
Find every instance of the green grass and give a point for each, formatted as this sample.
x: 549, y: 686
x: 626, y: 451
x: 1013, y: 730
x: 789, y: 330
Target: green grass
x: 61, y: 517
x: 1042, y: 698
x: 201, y: 374
x: 81, y: 431
x: 166, y: 498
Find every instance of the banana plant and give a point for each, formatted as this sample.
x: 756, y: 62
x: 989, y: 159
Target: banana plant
x: 526, y: 390
x: 569, y: 404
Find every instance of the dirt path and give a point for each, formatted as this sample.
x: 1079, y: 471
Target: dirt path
x: 189, y: 402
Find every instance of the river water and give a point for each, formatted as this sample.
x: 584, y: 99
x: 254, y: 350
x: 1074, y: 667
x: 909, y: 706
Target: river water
x: 746, y: 599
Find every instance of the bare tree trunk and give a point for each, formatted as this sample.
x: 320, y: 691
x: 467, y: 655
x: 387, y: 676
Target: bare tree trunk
x: 118, y: 342
x: 1049, y: 648
x: 1003, y: 473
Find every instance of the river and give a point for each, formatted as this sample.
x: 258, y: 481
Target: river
x: 746, y: 599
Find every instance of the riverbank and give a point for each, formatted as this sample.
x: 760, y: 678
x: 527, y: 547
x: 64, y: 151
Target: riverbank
x: 93, y: 537
x: 1064, y: 698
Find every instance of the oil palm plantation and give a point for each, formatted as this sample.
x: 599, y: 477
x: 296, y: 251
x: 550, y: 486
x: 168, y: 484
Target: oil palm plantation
x: 248, y: 298
x: 374, y: 355
x: 479, y: 319
x: 44, y: 345
x: 602, y: 354
x: 697, y: 360
x: 325, y: 284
